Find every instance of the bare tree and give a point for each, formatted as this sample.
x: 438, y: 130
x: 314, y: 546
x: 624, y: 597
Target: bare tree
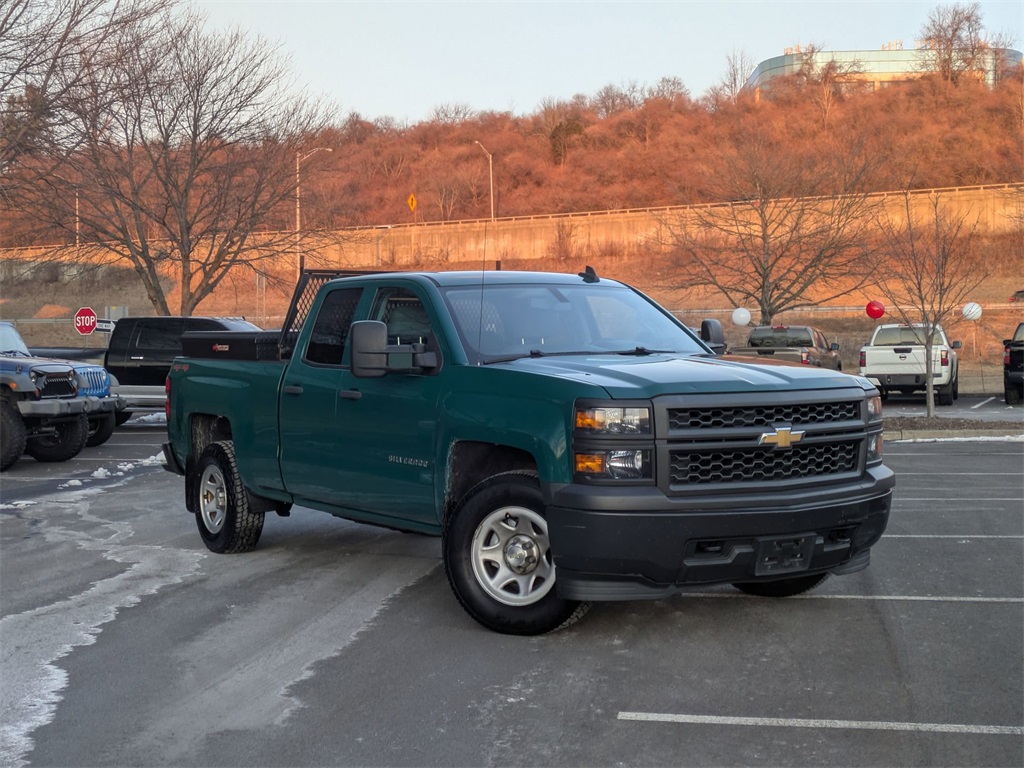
x: 928, y: 268
x: 796, y: 234
x: 956, y: 44
x: 43, y: 47
x: 182, y: 146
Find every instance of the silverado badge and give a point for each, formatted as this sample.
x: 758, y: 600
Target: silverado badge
x: 782, y: 437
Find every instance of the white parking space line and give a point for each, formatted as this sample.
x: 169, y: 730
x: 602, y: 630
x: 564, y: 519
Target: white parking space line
x: 965, y: 536
x: 882, y: 598
x: 983, y: 402
x: 860, y: 725
x: 904, y: 500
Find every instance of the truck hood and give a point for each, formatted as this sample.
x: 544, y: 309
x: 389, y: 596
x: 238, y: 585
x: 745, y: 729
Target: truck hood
x: 653, y: 375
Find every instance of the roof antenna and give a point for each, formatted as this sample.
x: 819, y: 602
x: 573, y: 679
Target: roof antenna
x: 589, y: 275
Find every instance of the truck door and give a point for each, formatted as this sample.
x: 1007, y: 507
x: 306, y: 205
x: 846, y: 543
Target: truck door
x: 311, y: 445
x: 362, y: 444
x: 390, y: 422
x: 151, y: 350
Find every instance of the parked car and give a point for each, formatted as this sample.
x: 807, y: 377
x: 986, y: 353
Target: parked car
x: 894, y: 361
x: 93, y: 382
x: 1017, y: 296
x: 141, y: 350
x: 795, y: 343
x: 1013, y: 367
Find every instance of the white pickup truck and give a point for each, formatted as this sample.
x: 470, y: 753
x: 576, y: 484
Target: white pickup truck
x: 894, y: 361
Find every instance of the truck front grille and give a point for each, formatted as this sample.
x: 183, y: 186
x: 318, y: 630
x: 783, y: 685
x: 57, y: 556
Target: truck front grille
x: 730, y: 442
x: 761, y: 464
x: 762, y: 415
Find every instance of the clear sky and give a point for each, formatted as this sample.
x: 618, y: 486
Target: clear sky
x: 402, y: 59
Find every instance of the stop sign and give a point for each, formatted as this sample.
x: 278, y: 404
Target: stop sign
x: 85, y: 321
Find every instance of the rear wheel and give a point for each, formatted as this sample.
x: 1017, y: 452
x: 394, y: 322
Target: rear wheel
x: 944, y: 395
x: 100, y: 429
x: 224, y: 513
x: 65, y: 442
x: 783, y: 587
x: 498, y: 559
x: 12, y: 435
x: 1012, y: 394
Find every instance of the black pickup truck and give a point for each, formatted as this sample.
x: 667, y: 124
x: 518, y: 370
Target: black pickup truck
x: 1013, y: 367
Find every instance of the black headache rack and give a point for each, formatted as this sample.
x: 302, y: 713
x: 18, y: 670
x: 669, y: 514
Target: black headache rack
x: 267, y: 345
x: 309, y: 285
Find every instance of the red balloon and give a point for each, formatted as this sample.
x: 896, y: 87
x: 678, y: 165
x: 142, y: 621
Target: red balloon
x: 875, y: 309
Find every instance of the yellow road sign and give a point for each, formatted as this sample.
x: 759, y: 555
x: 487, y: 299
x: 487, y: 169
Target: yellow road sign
x: 412, y: 203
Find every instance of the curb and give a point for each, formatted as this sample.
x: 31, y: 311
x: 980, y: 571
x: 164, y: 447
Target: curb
x: 889, y: 435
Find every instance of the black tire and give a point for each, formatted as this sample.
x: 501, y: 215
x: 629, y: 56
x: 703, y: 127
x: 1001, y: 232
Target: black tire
x: 224, y: 513
x: 12, y: 435
x: 956, y: 387
x: 783, y: 587
x: 66, y: 442
x: 944, y: 395
x: 100, y: 429
x: 514, y: 596
x: 122, y: 416
x: 1013, y: 394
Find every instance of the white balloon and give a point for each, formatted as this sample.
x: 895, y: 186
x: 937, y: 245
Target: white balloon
x: 740, y: 316
x: 972, y: 311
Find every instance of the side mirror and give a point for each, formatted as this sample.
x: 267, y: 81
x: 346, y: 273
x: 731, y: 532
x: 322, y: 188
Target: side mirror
x: 834, y: 346
x: 369, y: 340
x: 957, y: 344
x: 711, y: 333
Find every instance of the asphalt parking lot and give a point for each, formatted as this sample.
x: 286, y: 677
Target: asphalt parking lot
x: 126, y: 643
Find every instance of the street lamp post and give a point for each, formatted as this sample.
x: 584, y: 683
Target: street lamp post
x: 299, y: 157
x: 490, y: 173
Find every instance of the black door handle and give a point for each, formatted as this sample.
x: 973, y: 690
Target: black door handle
x: 292, y: 389
x: 350, y: 394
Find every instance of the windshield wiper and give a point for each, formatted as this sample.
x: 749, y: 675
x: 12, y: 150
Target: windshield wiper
x: 641, y: 351
x: 14, y: 353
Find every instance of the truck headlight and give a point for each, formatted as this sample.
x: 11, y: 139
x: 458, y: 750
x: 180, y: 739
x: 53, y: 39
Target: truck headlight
x: 875, y: 447
x: 874, y: 407
x: 633, y: 464
x: 601, y: 420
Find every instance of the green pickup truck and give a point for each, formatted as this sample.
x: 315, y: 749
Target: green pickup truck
x: 569, y: 440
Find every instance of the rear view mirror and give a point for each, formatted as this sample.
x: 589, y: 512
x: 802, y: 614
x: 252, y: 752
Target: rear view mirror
x: 369, y: 340
x: 711, y: 333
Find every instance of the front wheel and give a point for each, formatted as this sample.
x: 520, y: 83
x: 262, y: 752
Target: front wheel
x: 100, y: 429
x: 783, y: 587
x: 12, y: 435
x: 498, y: 560
x: 224, y: 513
x: 65, y: 442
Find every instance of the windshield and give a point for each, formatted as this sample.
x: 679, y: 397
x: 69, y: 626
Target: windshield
x: 10, y: 340
x: 902, y: 336
x: 509, y: 321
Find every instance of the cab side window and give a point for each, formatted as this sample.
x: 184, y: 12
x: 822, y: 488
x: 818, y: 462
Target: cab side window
x: 405, y: 316
x: 330, y: 331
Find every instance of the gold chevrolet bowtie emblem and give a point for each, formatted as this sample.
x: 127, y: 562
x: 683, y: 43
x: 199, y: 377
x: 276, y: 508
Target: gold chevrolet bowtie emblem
x: 782, y: 437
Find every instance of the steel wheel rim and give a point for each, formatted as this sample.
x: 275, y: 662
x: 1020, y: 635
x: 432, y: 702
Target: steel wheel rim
x: 511, y: 556
x: 213, y: 499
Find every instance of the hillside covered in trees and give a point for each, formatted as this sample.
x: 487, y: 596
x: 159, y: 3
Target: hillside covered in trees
x: 637, y: 147
x: 658, y: 147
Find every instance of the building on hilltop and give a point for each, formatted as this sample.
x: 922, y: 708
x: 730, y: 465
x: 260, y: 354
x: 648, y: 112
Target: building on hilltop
x: 878, y: 69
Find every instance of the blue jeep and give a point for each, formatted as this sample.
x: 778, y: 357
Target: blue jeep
x: 92, y: 384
